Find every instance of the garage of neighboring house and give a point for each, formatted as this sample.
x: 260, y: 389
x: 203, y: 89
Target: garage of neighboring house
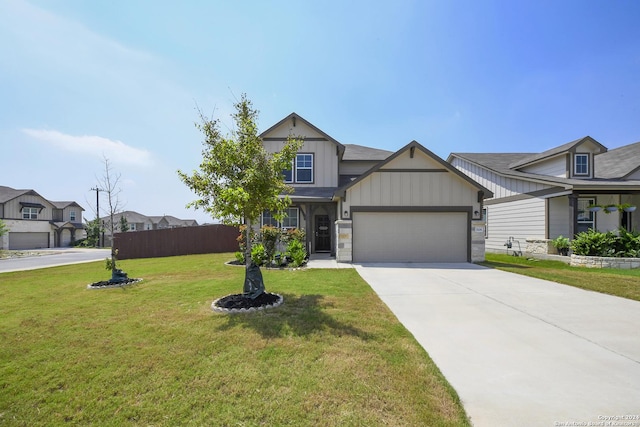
x: 413, y: 207
x: 34, y: 240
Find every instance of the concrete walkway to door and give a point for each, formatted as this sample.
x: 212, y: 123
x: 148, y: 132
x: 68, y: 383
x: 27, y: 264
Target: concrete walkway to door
x: 520, y: 351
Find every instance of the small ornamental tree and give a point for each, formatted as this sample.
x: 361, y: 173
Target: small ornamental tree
x: 3, y: 230
x: 238, y: 180
x: 124, y: 224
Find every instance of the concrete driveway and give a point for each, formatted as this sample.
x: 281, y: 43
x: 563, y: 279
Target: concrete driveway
x: 520, y: 351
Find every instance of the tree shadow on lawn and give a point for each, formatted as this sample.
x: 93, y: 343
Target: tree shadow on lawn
x: 299, y: 315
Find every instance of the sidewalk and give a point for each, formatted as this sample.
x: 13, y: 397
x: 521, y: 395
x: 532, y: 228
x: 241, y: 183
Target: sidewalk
x: 325, y: 261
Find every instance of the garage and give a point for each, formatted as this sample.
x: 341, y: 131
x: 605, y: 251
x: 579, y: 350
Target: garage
x: 410, y: 237
x: 18, y: 241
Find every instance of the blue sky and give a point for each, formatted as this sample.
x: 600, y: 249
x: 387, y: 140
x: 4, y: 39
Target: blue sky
x: 80, y: 80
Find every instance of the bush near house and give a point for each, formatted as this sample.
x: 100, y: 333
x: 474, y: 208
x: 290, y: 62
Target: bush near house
x: 273, y: 246
x: 623, y: 244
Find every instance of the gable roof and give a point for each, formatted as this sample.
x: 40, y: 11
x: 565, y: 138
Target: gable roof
x: 618, y: 162
x: 564, y: 148
x: 8, y: 193
x: 355, y: 152
x: 62, y: 205
x: 294, y: 117
x: 412, y: 146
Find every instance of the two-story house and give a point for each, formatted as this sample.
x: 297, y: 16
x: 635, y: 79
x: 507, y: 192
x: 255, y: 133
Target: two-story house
x: 139, y: 222
x: 368, y: 205
x: 561, y: 191
x: 35, y: 222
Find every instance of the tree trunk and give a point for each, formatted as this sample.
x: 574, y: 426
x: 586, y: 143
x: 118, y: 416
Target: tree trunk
x: 253, y: 283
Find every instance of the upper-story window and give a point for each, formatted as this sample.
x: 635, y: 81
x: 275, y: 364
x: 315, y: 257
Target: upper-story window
x: 301, y: 171
x: 29, y: 213
x: 581, y: 164
x: 304, y: 168
x: 72, y: 215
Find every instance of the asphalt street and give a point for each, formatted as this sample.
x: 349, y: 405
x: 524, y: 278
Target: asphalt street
x: 52, y: 258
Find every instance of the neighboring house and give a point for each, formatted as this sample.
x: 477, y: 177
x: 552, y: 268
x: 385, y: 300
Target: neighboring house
x: 35, y: 222
x: 139, y: 222
x: 540, y: 196
x: 369, y: 205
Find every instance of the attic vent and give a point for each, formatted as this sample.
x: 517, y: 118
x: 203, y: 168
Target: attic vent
x: 412, y: 151
x: 293, y: 119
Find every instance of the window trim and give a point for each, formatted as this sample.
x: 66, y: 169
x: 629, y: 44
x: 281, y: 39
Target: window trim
x: 590, y: 201
x: 280, y: 224
x: 292, y: 171
x: 310, y: 168
x: 575, y: 164
x: 32, y: 211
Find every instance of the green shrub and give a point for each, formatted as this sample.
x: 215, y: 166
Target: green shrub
x: 627, y: 244
x: 270, y: 236
x: 595, y: 243
x: 258, y: 254
x: 297, y: 253
x: 240, y: 257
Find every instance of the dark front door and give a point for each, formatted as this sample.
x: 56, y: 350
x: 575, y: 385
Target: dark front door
x: 323, y: 233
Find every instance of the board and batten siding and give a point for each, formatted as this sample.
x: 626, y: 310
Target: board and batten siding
x: 521, y: 219
x: 499, y: 185
x: 325, y: 155
x: 411, y: 189
x: 13, y: 208
x: 417, y: 181
x: 556, y: 167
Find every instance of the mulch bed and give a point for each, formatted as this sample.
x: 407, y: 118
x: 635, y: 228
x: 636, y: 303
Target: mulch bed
x: 106, y: 284
x: 238, y: 303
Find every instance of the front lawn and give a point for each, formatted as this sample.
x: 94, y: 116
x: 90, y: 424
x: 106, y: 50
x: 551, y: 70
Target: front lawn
x: 622, y: 283
x: 155, y: 354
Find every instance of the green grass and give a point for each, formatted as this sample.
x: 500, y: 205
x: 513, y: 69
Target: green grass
x: 155, y: 354
x: 622, y: 283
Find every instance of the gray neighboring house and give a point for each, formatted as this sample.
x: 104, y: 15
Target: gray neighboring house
x: 540, y: 196
x: 35, y: 222
x: 364, y: 204
x: 139, y: 222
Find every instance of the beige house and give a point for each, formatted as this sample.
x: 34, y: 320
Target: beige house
x: 368, y: 205
x: 35, y: 222
x: 561, y: 191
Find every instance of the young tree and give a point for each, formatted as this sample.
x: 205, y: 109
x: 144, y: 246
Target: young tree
x: 109, y: 184
x: 124, y: 224
x: 3, y: 230
x: 93, y: 232
x: 238, y: 179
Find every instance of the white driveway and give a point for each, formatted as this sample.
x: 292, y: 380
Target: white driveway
x: 520, y: 351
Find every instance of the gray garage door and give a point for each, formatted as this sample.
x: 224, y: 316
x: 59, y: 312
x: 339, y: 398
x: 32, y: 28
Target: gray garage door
x: 410, y: 237
x: 19, y: 241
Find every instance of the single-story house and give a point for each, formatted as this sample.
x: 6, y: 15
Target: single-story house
x: 561, y: 191
x: 35, y: 222
x: 363, y: 204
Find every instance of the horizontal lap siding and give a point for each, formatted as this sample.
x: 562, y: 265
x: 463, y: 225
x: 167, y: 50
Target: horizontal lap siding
x: 521, y: 219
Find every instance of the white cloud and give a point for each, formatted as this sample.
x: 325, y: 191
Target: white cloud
x: 97, y: 146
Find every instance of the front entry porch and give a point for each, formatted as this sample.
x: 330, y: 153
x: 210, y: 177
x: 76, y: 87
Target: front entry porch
x: 318, y: 220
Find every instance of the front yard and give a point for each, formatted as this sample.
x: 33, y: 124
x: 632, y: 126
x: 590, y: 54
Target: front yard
x: 622, y: 283
x: 155, y: 354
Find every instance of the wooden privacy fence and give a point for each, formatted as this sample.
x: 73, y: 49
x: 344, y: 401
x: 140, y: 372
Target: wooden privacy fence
x: 202, y: 239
